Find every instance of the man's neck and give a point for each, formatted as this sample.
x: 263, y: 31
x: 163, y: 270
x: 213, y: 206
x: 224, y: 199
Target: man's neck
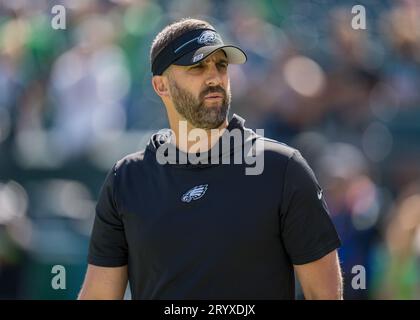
x: 190, y: 139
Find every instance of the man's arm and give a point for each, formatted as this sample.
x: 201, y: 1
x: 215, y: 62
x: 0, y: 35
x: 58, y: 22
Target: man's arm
x: 104, y: 283
x: 321, y: 279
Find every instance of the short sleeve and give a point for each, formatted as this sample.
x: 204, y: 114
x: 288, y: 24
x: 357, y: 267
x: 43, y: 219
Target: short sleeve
x: 108, y: 246
x: 306, y: 228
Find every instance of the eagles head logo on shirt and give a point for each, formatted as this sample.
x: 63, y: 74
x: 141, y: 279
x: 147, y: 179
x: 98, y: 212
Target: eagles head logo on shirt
x: 194, y: 193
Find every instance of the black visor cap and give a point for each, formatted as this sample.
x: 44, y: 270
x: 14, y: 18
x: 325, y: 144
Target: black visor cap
x: 194, y: 46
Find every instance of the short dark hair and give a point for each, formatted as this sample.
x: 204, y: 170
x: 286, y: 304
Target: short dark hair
x: 173, y: 31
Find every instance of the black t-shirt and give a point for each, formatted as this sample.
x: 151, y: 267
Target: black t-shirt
x: 209, y: 231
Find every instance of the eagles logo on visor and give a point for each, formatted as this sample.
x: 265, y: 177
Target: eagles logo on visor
x: 194, y: 46
x: 207, y: 37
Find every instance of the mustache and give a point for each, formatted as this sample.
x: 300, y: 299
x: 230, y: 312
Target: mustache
x: 217, y: 89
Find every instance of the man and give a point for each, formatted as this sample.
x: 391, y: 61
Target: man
x: 206, y: 229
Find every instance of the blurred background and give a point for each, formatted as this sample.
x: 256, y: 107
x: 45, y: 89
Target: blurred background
x: 74, y: 101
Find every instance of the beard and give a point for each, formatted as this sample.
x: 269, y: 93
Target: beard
x: 195, y: 111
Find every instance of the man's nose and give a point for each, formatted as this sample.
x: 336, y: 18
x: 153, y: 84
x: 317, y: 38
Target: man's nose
x: 213, y: 75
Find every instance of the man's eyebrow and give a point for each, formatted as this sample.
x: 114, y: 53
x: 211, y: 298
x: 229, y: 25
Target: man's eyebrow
x: 200, y: 63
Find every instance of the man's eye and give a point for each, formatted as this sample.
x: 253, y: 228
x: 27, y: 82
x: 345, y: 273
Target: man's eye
x: 223, y: 65
x: 197, y: 66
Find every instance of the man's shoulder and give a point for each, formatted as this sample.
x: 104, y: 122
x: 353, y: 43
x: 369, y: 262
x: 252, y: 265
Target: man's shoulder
x: 277, y: 149
x: 131, y: 160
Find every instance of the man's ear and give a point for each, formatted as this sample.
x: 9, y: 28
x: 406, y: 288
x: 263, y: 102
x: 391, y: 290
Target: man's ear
x: 160, y: 86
